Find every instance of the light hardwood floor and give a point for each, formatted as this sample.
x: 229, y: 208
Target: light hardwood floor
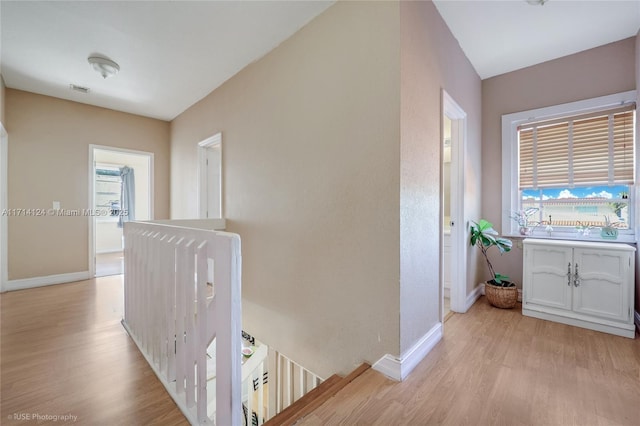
x: 109, y: 264
x: 64, y: 352
x: 496, y: 367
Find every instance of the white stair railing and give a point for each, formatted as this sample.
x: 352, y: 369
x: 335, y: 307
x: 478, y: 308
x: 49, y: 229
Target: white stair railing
x: 271, y: 382
x: 292, y: 381
x: 182, y: 290
x: 255, y: 394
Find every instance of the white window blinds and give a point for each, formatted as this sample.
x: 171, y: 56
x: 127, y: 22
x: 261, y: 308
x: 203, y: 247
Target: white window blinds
x: 593, y: 149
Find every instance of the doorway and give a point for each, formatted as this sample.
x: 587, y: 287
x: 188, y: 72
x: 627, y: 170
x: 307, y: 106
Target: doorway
x: 210, y: 181
x: 120, y: 191
x: 446, y: 221
x: 453, y: 247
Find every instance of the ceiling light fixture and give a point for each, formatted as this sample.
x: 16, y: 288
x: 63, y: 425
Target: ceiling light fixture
x: 537, y: 2
x: 105, y: 67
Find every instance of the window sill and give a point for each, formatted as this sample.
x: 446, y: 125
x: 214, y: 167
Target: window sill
x: 595, y: 237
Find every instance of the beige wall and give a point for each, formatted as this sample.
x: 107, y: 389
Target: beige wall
x: 49, y: 160
x: 596, y: 72
x: 310, y: 145
x: 431, y: 59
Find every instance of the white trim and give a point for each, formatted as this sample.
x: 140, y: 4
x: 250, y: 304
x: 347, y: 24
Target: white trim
x: 636, y: 316
x: 458, y: 286
x: 109, y: 251
x: 510, y: 123
x: 399, y: 368
x: 481, y: 287
x: 210, y: 142
x: 4, y: 191
x: 92, y: 173
x: 473, y: 297
x: 25, y: 283
x: 209, y: 224
x: 636, y: 211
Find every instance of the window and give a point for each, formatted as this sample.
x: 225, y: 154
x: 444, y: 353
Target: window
x: 580, y: 206
x: 571, y: 165
x: 108, y: 185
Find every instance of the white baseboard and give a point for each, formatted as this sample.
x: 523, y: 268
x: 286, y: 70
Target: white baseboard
x: 24, y: 283
x: 472, y: 297
x: 637, y: 319
x: 399, y: 368
x: 519, y: 292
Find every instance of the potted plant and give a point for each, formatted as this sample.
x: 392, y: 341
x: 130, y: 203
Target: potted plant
x: 608, y: 231
x: 500, y: 292
x: 522, y: 218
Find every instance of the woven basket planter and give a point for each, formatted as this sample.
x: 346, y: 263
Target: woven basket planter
x: 501, y: 297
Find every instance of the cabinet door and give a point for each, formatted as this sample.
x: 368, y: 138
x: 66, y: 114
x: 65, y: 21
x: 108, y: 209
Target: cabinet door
x: 545, y: 276
x: 603, y: 284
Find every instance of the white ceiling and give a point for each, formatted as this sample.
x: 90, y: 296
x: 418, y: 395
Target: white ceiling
x: 503, y: 36
x: 171, y: 54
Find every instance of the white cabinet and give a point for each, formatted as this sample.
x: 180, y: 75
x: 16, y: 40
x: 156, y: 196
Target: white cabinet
x: 586, y: 284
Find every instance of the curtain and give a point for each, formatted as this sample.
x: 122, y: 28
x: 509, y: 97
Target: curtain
x: 127, y: 196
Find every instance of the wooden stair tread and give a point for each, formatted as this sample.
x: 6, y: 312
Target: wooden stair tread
x: 315, y: 398
x: 294, y: 408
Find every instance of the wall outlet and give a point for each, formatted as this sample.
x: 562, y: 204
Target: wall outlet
x: 56, y: 205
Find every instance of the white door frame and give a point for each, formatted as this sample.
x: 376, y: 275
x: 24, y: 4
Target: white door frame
x: 210, y: 142
x: 92, y: 200
x: 458, y: 291
x: 4, y: 191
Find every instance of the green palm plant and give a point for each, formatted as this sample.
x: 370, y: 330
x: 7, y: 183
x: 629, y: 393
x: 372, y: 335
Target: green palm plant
x: 484, y: 237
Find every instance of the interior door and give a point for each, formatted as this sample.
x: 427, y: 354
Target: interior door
x: 4, y: 151
x: 213, y: 181
x: 452, y: 199
x: 210, y: 177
